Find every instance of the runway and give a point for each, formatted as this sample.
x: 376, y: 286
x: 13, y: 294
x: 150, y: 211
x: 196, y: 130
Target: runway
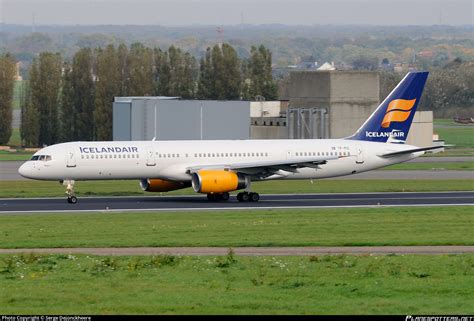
x: 267, y: 201
x: 255, y: 251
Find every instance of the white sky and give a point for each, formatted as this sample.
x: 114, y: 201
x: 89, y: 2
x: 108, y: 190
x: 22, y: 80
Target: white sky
x: 231, y: 12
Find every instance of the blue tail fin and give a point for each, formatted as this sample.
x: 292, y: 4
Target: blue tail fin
x: 391, y: 121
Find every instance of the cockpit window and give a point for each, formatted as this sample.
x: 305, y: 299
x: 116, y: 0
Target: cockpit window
x: 43, y: 158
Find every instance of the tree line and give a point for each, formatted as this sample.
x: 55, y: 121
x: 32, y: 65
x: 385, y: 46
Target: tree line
x: 449, y: 90
x: 67, y: 101
x: 7, y: 82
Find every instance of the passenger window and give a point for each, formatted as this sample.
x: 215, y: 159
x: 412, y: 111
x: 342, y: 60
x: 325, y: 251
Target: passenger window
x: 253, y: 155
x: 82, y: 156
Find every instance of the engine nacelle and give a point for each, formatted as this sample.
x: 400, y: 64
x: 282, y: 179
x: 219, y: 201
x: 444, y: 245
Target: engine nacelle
x: 218, y: 181
x: 161, y: 185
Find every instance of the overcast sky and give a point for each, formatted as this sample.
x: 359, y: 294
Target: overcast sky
x: 231, y: 12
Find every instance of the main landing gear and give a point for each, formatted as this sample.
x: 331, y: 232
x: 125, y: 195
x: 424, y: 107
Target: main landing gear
x: 71, y: 198
x: 241, y: 197
x: 248, y: 197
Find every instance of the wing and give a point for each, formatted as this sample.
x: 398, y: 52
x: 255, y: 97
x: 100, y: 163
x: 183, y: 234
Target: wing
x: 268, y: 168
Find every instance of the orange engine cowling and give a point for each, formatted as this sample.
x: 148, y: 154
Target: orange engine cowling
x: 162, y: 185
x: 218, y: 181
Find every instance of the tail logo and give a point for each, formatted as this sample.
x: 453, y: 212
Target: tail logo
x: 397, y: 111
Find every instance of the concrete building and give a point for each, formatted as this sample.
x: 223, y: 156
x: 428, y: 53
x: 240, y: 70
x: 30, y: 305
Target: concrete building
x: 322, y: 104
x: 169, y: 118
x: 268, y: 119
x: 348, y: 98
x: 421, y: 130
x: 329, y: 104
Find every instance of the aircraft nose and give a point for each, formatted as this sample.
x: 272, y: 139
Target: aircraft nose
x: 25, y: 170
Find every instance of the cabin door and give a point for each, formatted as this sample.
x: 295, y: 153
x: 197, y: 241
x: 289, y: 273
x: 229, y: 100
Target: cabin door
x: 150, y: 156
x: 71, y: 158
x: 359, y: 154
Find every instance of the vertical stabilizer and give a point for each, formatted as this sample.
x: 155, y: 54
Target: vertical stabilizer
x: 391, y: 121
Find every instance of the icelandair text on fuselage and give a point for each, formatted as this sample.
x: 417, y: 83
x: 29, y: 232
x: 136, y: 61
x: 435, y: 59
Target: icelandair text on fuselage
x: 384, y: 134
x: 98, y: 150
x: 45, y: 318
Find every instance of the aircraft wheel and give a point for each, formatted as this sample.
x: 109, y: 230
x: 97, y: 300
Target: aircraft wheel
x: 243, y: 197
x: 211, y: 197
x: 72, y: 199
x: 254, y: 197
x: 225, y: 196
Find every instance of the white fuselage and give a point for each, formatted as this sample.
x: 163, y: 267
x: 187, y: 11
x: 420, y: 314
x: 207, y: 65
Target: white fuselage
x: 171, y: 159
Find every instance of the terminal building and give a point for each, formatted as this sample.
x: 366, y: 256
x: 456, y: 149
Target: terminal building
x: 319, y: 104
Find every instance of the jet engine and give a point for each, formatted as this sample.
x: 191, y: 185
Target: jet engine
x: 162, y: 185
x: 218, y: 181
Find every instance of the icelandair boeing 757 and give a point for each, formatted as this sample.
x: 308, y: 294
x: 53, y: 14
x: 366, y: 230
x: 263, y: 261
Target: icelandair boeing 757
x: 217, y: 167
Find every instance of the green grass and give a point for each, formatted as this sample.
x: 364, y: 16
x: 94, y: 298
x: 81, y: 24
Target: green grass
x: 289, y: 227
x: 452, y: 152
x: 464, y: 166
x: 14, y: 156
x: 30, y: 188
x: 461, y: 136
x: 15, y: 139
x: 17, y: 94
x: 68, y: 284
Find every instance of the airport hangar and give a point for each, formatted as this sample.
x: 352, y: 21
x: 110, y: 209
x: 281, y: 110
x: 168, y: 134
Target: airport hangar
x: 316, y: 104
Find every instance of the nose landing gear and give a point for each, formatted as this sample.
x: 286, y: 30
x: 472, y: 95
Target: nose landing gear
x: 71, y: 198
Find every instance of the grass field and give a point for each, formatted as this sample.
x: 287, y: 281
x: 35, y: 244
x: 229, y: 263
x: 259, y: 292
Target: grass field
x: 30, y: 188
x: 453, y: 133
x: 289, y: 227
x: 453, y: 152
x: 464, y: 166
x: 17, y: 94
x: 15, y: 140
x: 68, y: 284
x: 14, y: 156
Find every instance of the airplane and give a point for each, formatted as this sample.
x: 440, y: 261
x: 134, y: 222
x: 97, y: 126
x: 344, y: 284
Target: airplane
x: 217, y: 167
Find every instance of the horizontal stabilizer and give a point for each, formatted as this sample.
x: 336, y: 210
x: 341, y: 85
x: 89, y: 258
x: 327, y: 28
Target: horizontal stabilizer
x: 409, y: 151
